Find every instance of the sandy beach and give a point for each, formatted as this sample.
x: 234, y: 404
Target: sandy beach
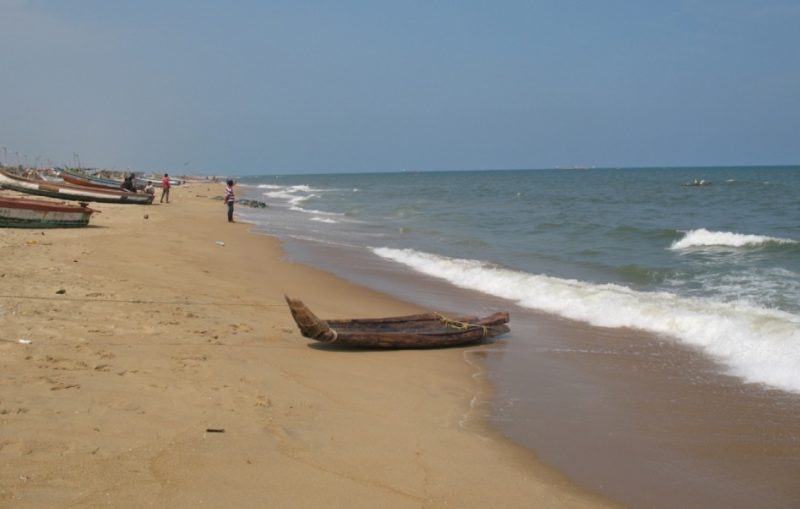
x: 149, y: 361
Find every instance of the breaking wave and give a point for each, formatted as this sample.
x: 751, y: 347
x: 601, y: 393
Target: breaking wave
x: 757, y: 344
x: 706, y: 238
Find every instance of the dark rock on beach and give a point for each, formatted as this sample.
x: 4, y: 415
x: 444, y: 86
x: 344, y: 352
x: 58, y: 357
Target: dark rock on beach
x: 252, y: 203
x: 247, y: 203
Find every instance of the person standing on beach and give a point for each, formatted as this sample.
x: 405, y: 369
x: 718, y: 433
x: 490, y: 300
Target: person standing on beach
x: 229, y: 199
x: 165, y: 188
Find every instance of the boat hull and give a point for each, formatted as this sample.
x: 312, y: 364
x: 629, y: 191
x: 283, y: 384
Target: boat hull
x: 71, y: 192
x: 428, y: 330
x: 23, y: 213
x: 83, y: 180
x: 156, y: 182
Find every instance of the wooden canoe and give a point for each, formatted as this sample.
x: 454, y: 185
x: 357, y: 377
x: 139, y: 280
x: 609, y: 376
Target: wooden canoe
x: 427, y: 330
x: 27, y: 213
x: 71, y: 192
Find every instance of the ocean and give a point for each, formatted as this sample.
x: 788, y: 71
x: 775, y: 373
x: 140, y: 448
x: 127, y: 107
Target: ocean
x: 650, y: 317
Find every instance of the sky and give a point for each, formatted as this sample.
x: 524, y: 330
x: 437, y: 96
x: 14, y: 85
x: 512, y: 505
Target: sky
x: 282, y: 87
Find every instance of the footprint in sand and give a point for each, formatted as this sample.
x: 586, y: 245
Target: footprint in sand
x: 64, y: 386
x: 263, y: 401
x: 190, y: 362
x: 104, y: 354
x: 8, y: 411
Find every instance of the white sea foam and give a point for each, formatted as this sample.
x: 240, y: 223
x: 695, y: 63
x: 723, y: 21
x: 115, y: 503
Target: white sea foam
x: 287, y: 196
x: 324, y: 220
x: 759, y: 345
x: 706, y: 238
x: 290, y: 189
x: 317, y: 212
x: 317, y: 240
x: 302, y: 189
x: 294, y: 196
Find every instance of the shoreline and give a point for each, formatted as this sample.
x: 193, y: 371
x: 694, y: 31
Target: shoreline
x: 162, y: 333
x: 636, y: 416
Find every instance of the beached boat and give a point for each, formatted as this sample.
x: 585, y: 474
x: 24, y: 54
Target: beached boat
x: 428, y: 330
x: 156, y: 181
x: 66, y: 191
x: 79, y: 179
x: 27, y: 213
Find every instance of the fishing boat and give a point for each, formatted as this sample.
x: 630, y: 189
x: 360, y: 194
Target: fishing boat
x: 28, y: 213
x: 79, y: 179
x: 66, y: 191
x: 427, y: 330
x: 156, y: 181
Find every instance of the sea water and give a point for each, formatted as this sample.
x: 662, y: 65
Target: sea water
x: 716, y: 267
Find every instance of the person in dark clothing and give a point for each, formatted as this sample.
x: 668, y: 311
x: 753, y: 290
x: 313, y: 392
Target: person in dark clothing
x: 127, y: 184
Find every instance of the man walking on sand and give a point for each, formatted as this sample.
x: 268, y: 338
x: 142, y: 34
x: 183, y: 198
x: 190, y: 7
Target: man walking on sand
x: 165, y: 188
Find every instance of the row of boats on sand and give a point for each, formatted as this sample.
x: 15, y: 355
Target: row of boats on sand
x: 73, y: 186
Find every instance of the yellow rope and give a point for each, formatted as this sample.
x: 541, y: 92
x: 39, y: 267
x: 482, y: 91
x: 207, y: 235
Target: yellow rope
x: 455, y: 324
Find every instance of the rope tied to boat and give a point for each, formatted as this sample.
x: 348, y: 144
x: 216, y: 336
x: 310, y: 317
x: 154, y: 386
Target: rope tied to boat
x: 455, y: 324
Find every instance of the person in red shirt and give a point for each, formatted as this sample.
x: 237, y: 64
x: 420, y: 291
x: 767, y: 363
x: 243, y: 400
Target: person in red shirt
x: 165, y: 188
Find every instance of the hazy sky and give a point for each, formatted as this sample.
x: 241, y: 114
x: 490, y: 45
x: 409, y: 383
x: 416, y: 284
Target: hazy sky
x: 300, y: 86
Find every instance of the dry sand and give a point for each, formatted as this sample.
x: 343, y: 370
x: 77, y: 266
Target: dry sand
x: 145, y: 333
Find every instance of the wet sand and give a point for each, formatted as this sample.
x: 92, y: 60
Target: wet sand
x: 644, y: 420
x: 641, y: 419
x: 149, y: 361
